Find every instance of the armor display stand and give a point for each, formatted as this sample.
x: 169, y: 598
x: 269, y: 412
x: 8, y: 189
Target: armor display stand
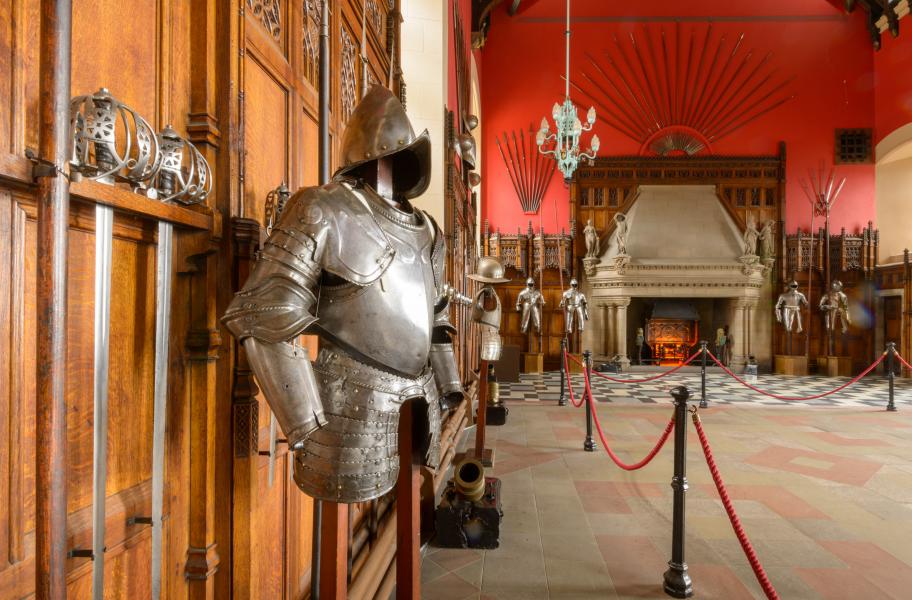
x: 484, y: 455
x: 408, y: 509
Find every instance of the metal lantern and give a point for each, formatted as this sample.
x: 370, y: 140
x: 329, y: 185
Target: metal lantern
x: 275, y: 204
x: 185, y: 175
x: 112, y: 142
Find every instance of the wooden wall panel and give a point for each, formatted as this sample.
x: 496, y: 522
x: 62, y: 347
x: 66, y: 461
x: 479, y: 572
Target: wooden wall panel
x: 114, y: 46
x: 265, y: 136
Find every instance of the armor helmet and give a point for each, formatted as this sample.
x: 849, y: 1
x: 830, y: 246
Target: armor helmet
x: 467, y: 149
x: 793, y: 285
x: 489, y: 271
x: 378, y: 128
x: 574, y: 283
x: 530, y: 282
x: 836, y: 285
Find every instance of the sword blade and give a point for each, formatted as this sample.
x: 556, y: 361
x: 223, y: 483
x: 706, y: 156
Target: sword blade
x: 160, y: 401
x: 104, y: 239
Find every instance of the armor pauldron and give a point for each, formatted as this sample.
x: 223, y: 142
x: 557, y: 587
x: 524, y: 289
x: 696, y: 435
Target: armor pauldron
x: 287, y: 378
x: 275, y: 304
x: 352, y: 246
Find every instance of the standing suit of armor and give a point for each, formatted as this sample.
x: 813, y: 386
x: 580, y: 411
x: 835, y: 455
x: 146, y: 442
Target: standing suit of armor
x: 788, y: 307
x: 576, y: 310
x: 835, y: 307
x: 366, y: 277
x: 529, y: 302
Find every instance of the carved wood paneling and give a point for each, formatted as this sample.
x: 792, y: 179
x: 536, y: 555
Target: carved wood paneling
x: 269, y: 14
x: 348, y: 77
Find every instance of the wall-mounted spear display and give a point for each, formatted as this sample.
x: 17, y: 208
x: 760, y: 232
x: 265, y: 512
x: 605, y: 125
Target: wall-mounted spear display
x: 530, y: 171
x: 821, y: 191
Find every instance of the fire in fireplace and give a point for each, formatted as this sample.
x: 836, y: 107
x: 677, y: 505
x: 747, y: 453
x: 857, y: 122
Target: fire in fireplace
x: 672, y: 331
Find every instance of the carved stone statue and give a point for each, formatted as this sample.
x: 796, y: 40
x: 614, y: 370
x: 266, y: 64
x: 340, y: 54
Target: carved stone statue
x: 835, y: 307
x: 530, y: 302
x: 788, y: 307
x: 354, y: 263
x: 592, y: 241
x: 620, y: 233
x: 576, y: 309
x: 751, y: 235
x: 767, y: 241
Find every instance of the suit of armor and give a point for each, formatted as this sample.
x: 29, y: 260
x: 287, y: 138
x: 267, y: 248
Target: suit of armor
x: 343, y: 263
x: 788, y: 308
x: 835, y: 307
x: 576, y: 309
x: 488, y: 319
x: 529, y: 302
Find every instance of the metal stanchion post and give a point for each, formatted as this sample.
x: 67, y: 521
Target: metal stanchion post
x: 677, y: 583
x: 891, y: 353
x: 703, y: 351
x: 589, y: 444
x: 564, y: 376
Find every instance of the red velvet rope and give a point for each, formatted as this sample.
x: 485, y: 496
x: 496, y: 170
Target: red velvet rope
x: 598, y: 426
x: 902, y: 360
x: 799, y: 398
x: 749, y: 552
x: 570, y: 383
x: 648, y: 379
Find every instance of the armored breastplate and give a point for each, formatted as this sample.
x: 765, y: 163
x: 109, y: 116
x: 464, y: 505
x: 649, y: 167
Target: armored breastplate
x: 573, y: 299
x: 389, y: 320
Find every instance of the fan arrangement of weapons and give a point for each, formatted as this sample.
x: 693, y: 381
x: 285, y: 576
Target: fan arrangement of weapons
x: 530, y: 171
x: 821, y: 191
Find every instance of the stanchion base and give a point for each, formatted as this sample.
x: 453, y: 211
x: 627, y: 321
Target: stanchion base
x: 562, y: 401
x: 589, y: 445
x: 891, y: 408
x: 704, y: 404
x: 677, y: 583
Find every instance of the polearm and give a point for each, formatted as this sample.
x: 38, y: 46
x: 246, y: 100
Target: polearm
x: 324, y: 150
x: 52, y: 228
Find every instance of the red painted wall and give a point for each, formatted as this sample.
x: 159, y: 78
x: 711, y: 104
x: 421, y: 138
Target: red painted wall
x: 827, y: 52
x: 893, y: 83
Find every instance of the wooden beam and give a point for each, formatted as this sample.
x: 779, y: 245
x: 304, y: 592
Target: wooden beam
x: 51, y: 284
x: 408, y: 509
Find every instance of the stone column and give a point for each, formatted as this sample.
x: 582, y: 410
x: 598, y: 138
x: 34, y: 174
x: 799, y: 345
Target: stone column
x: 620, y: 331
x: 739, y: 332
x: 750, y: 305
x: 609, y: 312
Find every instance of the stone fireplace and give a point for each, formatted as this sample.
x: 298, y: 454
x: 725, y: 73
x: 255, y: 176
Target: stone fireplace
x: 681, y: 244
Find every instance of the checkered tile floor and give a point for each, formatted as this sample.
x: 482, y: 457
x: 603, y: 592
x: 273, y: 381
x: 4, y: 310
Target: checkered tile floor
x: 720, y: 389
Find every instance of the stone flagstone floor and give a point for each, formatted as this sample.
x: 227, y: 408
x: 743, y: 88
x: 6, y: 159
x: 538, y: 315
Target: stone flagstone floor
x: 825, y: 494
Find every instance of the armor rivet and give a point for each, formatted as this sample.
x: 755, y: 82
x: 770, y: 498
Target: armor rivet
x: 383, y: 147
x: 367, y: 154
x: 401, y: 142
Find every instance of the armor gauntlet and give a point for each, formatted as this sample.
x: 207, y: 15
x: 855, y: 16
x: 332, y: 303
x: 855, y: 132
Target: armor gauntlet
x: 273, y: 308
